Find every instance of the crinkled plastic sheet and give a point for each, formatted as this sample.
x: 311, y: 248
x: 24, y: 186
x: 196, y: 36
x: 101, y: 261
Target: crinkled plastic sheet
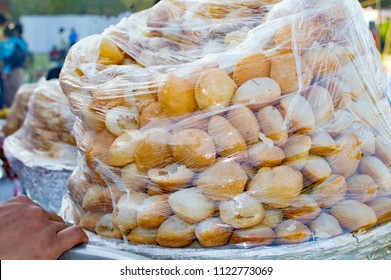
x: 42, y: 152
x: 176, y: 32
x: 45, y: 180
x: 293, y: 125
x: 18, y: 109
x: 48, y: 126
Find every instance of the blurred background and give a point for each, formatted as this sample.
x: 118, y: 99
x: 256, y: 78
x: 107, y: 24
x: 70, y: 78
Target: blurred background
x: 378, y: 15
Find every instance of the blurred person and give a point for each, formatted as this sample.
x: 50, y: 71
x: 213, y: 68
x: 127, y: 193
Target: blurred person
x: 13, y: 52
x: 54, y: 72
x: 62, y: 47
x: 18, y: 32
x: 73, y: 37
x: 57, y: 63
x: 30, y: 232
x: 54, y: 54
x: 374, y: 30
x: 3, y: 22
x: 62, y: 43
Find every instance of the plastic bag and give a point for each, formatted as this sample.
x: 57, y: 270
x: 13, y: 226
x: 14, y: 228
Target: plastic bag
x: 282, y: 139
x: 42, y: 152
x: 18, y: 109
x: 47, y: 128
x: 176, y: 32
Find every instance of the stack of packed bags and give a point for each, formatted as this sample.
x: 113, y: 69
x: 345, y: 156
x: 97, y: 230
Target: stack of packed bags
x: 18, y: 110
x: 42, y: 151
x: 273, y: 130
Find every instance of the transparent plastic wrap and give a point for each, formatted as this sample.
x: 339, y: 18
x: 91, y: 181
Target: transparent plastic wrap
x: 283, y: 139
x: 47, y: 129
x: 170, y: 33
x: 370, y: 245
x: 180, y: 31
x: 43, y: 152
x: 18, y: 109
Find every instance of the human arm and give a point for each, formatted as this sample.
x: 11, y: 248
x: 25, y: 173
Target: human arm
x: 27, y: 231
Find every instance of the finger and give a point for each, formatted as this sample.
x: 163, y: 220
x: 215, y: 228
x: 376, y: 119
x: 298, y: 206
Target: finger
x: 54, y: 217
x: 70, y: 237
x: 57, y: 227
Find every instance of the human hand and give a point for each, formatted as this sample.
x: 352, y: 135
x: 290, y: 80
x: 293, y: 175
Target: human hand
x: 27, y: 231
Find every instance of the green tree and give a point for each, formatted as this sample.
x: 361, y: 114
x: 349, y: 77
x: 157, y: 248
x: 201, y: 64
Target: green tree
x: 138, y: 5
x: 384, y: 3
x: 17, y: 8
x: 54, y: 7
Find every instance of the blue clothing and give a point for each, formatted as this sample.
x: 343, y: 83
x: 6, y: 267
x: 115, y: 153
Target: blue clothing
x: 2, y: 103
x: 73, y: 38
x: 8, y: 47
